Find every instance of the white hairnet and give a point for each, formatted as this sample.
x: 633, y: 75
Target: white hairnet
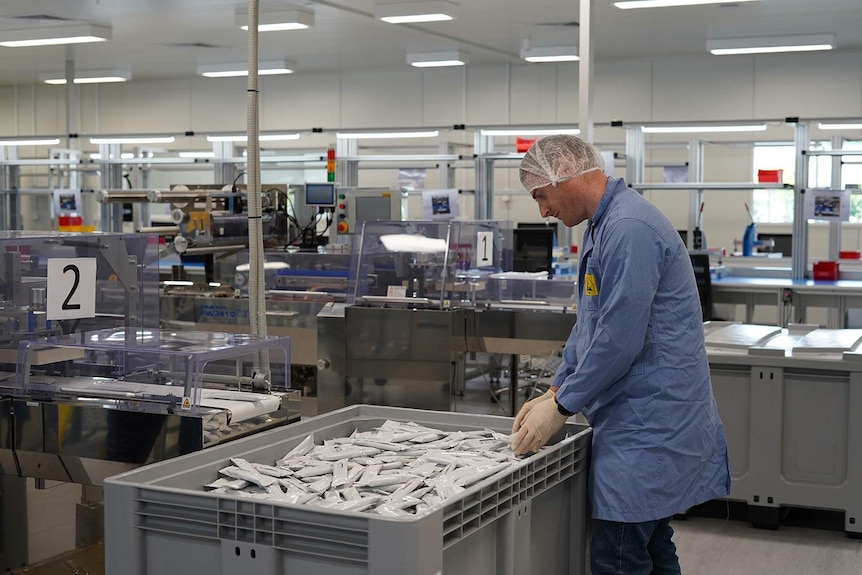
x: 555, y: 159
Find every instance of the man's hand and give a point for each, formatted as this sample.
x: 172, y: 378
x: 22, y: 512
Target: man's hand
x: 543, y: 421
x: 527, y: 407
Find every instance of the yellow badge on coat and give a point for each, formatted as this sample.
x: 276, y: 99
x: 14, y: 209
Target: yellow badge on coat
x: 590, y: 287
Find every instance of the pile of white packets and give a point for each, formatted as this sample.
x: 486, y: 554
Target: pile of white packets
x: 399, y: 469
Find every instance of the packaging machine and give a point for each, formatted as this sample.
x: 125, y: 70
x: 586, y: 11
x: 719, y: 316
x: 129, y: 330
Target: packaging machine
x: 421, y: 295
x: 91, y: 386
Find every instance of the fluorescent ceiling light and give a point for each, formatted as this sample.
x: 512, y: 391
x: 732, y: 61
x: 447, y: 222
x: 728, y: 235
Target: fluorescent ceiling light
x: 771, y: 44
x: 550, y: 54
x: 415, y: 12
x: 528, y: 132
x: 54, y: 35
x: 385, y: 135
x: 127, y: 156
x: 235, y: 70
x: 436, y: 59
x: 87, y: 77
x: 94, y: 80
x: 133, y: 140
x: 629, y: 4
x: 702, y: 129
x: 845, y: 126
x: 203, y: 155
x: 277, y: 20
x: 30, y: 142
x: 262, y: 138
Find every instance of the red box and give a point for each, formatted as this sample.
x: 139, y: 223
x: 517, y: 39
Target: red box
x: 826, y: 271
x: 770, y: 176
x: 523, y: 144
x: 849, y: 255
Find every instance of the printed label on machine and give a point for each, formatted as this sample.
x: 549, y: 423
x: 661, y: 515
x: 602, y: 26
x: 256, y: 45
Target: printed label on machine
x: 485, y: 249
x: 71, y: 288
x: 396, y: 291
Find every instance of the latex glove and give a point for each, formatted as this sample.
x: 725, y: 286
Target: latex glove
x: 541, y: 423
x: 525, y: 409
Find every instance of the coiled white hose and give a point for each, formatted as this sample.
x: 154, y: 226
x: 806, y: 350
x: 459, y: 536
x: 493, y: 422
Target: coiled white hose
x: 257, y: 280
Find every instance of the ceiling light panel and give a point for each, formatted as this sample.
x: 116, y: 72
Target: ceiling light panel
x: 386, y: 135
x: 243, y: 137
x: 415, y: 12
x: 538, y: 54
x: 436, y: 59
x: 268, y: 68
x: 277, y: 20
x: 632, y: 4
x: 54, y: 35
x: 840, y: 126
x: 771, y: 44
x: 528, y: 132
x: 133, y: 140
x: 718, y: 128
x: 87, y: 77
x: 30, y: 142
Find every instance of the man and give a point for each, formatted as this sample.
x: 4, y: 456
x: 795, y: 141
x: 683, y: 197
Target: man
x: 635, y: 364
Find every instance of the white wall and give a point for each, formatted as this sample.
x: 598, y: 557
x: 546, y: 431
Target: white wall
x: 663, y: 89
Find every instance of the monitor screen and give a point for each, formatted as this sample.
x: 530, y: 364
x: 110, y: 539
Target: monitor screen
x: 533, y: 250
x: 320, y: 195
x: 783, y: 244
x: 373, y: 208
x: 540, y: 226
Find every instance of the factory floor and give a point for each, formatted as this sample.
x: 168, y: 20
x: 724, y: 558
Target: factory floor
x: 715, y: 540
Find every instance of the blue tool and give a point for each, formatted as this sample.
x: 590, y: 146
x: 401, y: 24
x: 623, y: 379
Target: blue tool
x: 749, y: 238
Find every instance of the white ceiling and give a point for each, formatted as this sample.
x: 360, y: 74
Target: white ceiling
x: 157, y: 38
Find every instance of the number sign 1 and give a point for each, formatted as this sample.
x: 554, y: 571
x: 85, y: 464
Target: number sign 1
x: 71, y: 288
x: 485, y: 249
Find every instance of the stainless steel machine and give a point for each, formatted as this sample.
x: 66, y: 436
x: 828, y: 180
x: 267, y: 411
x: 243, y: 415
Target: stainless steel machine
x: 89, y: 384
x: 305, y: 271
x: 421, y: 296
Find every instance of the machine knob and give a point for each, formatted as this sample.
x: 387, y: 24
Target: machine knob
x: 181, y: 244
x: 178, y: 216
x: 323, y: 363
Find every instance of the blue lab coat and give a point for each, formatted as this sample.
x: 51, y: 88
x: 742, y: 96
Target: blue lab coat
x: 636, y: 365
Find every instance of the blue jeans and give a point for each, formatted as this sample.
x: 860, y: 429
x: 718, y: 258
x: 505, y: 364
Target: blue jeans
x: 633, y: 548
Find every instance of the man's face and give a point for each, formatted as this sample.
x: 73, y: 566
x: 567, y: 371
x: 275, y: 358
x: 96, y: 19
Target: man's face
x: 561, y: 202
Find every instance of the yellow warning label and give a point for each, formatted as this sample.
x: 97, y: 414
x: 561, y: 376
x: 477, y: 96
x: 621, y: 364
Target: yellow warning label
x: 590, y: 287
x: 187, y: 403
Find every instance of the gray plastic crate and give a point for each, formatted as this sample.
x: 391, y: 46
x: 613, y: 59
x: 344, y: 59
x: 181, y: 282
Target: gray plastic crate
x: 531, y: 518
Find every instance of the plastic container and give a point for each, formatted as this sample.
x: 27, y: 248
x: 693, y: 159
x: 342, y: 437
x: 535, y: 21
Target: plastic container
x: 770, y: 176
x: 849, y: 255
x: 527, y: 519
x: 825, y: 270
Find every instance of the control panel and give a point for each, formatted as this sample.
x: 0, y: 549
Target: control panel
x: 354, y: 205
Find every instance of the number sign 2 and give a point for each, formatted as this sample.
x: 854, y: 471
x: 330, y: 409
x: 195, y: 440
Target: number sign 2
x: 71, y: 288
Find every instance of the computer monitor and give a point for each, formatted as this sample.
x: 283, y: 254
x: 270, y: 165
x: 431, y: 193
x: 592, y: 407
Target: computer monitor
x: 700, y: 265
x: 320, y: 195
x: 540, y: 226
x: 533, y: 250
x: 783, y: 244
